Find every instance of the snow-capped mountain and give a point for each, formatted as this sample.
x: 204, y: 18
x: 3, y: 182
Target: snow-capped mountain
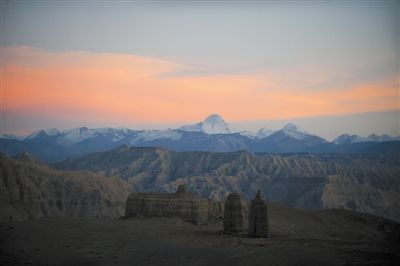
x: 213, y: 124
x: 295, y: 132
x: 150, y: 135
x: 212, y: 134
x: 290, y: 138
x: 381, y: 138
x: 77, y: 135
x: 43, y: 133
x: 264, y: 132
x: 9, y: 136
x: 349, y: 139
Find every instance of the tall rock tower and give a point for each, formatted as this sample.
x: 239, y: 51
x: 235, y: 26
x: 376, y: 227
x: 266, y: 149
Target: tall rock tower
x: 258, y: 217
x: 234, y: 213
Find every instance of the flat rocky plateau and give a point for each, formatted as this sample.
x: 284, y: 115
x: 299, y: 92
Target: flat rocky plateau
x: 329, y: 237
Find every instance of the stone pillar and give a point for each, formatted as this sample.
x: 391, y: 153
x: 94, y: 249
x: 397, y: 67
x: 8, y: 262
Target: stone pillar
x: 234, y: 213
x: 258, y: 217
x: 181, y: 190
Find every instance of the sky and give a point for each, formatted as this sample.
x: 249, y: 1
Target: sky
x: 330, y: 67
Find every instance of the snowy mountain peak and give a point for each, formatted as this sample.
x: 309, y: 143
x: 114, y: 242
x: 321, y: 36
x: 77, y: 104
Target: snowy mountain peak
x: 384, y: 137
x: 295, y: 132
x: 264, y: 132
x: 10, y: 136
x: 214, y: 119
x: 48, y: 132
x: 75, y: 135
x: 52, y: 131
x: 213, y: 124
x: 348, y: 139
x: 374, y: 136
x: 289, y: 127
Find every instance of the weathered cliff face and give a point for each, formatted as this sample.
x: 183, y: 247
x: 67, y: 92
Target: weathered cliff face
x: 235, y: 213
x: 258, y: 217
x: 183, y: 204
x: 30, y: 190
x: 348, y: 193
x: 302, y: 181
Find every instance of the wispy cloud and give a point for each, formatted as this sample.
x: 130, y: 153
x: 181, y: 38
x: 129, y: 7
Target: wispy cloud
x: 144, y: 89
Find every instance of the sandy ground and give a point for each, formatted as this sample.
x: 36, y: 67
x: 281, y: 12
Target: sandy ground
x: 170, y: 241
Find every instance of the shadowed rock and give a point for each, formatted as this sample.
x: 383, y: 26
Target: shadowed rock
x: 234, y: 213
x: 186, y: 205
x: 29, y: 190
x: 361, y: 183
x: 258, y: 217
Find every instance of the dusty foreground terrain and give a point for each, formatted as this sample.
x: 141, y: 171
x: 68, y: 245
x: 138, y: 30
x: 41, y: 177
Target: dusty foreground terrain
x: 330, y: 237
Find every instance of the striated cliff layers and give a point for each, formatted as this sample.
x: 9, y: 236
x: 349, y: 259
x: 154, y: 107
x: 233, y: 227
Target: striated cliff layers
x: 183, y: 204
x: 234, y: 213
x: 258, y: 217
x: 309, y: 181
x: 29, y: 190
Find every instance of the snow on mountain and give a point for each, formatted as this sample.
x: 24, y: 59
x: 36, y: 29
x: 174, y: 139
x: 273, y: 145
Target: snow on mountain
x: 114, y: 134
x: 348, y: 139
x: 148, y: 135
x: 9, y: 136
x: 46, y: 132
x: 76, y: 135
x: 248, y: 134
x: 381, y: 138
x: 264, y: 132
x: 213, y: 124
x: 295, y: 132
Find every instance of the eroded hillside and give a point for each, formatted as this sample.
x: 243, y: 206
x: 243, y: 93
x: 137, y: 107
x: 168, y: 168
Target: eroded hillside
x: 363, y: 184
x: 30, y: 190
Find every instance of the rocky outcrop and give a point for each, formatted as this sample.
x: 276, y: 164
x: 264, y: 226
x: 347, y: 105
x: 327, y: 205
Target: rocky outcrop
x: 183, y: 204
x: 341, y: 192
x: 297, y: 180
x: 30, y: 191
x: 258, y: 217
x: 216, y: 210
x: 234, y: 213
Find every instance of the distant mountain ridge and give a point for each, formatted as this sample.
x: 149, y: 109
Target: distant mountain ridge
x: 212, y: 134
x: 213, y: 124
x: 347, y: 138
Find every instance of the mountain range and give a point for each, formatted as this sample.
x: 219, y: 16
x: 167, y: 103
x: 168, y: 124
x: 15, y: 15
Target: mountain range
x: 213, y: 134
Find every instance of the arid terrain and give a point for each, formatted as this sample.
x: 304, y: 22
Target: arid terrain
x: 70, y: 213
x: 361, y: 183
x: 328, y: 237
x: 180, y: 133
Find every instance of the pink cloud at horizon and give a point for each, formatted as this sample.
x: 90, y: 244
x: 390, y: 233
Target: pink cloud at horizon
x: 136, y: 88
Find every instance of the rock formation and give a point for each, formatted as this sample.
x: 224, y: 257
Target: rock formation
x: 216, y: 210
x: 305, y: 181
x: 183, y: 204
x: 234, y: 213
x: 258, y: 217
x: 30, y: 191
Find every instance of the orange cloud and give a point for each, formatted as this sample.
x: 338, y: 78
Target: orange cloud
x: 132, y: 88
